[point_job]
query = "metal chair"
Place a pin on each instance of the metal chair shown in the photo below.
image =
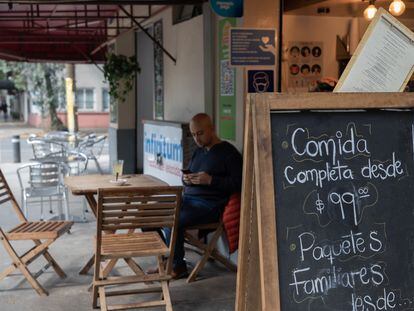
(92, 147)
(44, 180)
(43, 148)
(76, 162)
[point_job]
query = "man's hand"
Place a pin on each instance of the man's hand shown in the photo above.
(201, 178)
(186, 179)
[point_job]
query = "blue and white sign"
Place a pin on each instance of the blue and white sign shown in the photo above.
(261, 81)
(228, 8)
(163, 152)
(252, 47)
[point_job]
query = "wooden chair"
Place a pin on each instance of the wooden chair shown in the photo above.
(48, 231)
(130, 209)
(208, 250)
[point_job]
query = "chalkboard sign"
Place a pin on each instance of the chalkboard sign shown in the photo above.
(328, 203)
(344, 188)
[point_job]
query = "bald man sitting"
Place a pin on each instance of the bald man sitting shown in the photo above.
(215, 172)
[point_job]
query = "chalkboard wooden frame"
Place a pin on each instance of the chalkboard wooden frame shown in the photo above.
(258, 275)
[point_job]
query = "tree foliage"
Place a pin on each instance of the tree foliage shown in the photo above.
(44, 83)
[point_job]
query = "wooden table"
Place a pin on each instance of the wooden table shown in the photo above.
(88, 185)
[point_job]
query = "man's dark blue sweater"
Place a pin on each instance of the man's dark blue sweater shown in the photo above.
(223, 163)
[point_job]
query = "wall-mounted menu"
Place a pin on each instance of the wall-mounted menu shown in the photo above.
(344, 190)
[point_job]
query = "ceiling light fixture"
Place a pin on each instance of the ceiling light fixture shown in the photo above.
(370, 11)
(397, 7)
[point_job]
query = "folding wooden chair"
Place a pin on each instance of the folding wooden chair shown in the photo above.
(130, 209)
(48, 231)
(208, 250)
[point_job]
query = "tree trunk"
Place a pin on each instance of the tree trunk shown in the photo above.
(55, 122)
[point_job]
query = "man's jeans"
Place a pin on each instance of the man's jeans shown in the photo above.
(194, 211)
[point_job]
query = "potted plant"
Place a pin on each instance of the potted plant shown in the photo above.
(119, 71)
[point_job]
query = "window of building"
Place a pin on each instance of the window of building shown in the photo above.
(105, 100)
(85, 98)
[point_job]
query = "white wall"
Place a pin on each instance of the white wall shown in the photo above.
(316, 28)
(184, 92)
(184, 82)
(88, 76)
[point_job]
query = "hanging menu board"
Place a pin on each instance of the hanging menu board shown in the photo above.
(327, 218)
(384, 59)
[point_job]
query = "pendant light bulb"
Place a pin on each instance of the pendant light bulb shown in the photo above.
(370, 11)
(397, 7)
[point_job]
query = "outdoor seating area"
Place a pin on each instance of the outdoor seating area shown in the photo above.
(206, 155)
(115, 276)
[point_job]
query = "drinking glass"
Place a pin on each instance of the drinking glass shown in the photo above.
(117, 167)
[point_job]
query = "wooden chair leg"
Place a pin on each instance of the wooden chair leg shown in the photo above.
(35, 284)
(161, 270)
(18, 262)
(215, 254)
(134, 266)
(55, 265)
(207, 253)
(10, 269)
(98, 273)
(88, 266)
(109, 266)
(102, 299)
(95, 296)
(167, 296)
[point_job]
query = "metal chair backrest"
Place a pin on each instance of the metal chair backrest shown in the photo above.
(136, 208)
(45, 175)
(93, 145)
(43, 148)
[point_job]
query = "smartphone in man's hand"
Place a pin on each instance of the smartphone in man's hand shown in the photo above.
(186, 171)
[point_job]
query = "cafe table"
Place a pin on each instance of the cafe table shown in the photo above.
(88, 185)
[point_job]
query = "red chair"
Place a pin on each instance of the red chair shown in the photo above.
(229, 223)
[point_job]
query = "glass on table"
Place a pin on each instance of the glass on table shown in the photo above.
(117, 167)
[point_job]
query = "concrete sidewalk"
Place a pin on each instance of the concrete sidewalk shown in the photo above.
(214, 291)
(8, 129)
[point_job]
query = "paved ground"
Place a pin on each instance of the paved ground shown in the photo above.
(214, 291)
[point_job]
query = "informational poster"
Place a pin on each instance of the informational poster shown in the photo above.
(253, 47)
(227, 82)
(384, 59)
(261, 81)
(305, 65)
(158, 73)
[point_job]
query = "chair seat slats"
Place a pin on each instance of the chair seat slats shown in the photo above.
(39, 230)
(134, 226)
(143, 206)
(139, 213)
(137, 220)
(142, 198)
(132, 244)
